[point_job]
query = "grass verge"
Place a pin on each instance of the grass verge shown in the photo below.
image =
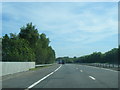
(40, 67)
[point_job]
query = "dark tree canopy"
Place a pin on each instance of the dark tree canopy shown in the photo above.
(28, 45)
(29, 33)
(111, 56)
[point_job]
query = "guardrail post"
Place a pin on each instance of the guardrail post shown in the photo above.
(113, 65)
(96, 64)
(118, 67)
(105, 65)
(109, 65)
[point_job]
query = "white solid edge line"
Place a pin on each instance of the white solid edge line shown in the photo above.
(92, 77)
(102, 68)
(43, 78)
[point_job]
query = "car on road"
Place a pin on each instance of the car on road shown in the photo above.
(61, 62)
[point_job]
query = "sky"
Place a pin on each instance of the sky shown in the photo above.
(74, 28)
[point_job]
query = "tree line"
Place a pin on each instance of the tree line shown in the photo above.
(27, 46)
(111, 56)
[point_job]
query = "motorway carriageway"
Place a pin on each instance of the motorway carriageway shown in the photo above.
(63, 76)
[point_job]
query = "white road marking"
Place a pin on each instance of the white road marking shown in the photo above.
(43, 78)
(92, 77)
(81, 71)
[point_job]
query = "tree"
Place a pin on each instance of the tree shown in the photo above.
(111, 56)
(50, 55)
(16, 50)
(119, 55)
(29, 33)
(45, 41)
(28, 45)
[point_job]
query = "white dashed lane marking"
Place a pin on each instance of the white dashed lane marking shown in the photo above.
(92, 77)
(81, 71)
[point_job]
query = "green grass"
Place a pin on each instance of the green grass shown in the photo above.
(39, 67)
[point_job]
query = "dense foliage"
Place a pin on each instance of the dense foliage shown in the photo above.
(96, 57)
(28, 45)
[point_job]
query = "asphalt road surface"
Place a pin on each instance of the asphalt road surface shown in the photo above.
(63, 76)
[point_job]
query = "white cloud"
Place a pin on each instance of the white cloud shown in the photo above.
(65, 22)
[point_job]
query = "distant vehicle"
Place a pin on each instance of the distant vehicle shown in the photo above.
(61, 62)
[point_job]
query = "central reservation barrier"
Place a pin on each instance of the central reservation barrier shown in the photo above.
(15, 67)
